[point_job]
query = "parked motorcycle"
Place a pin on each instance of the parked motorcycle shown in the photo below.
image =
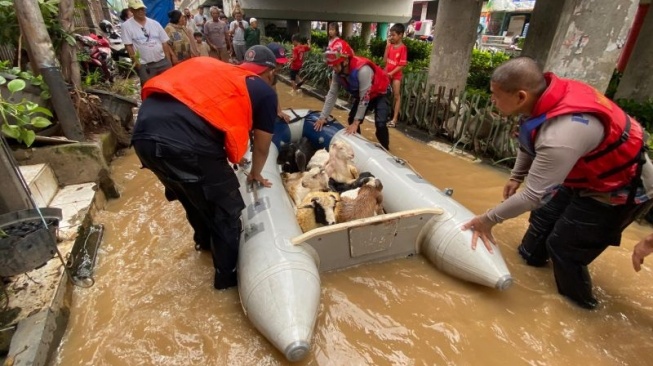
(119, 52)
(95, 54)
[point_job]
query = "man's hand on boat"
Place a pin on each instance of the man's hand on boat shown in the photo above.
(352, 128)
(285, 117)
(481, 228)
(319, 123)
(251, 178)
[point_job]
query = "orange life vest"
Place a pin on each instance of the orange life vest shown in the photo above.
(214, 90)
(614, 163)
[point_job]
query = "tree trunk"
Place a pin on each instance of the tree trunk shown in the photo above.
(36, 35)
(68, 55)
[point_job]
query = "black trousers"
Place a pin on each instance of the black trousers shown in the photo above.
(208, 190)
(573, 231)
(381, 113)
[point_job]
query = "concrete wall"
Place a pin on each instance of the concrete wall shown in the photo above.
(392, 11)
(637, 80)
(580, 39)
(455, 34)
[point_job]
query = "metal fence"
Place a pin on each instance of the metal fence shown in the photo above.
(467, 121)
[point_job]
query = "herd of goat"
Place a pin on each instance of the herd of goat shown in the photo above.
(325, 186)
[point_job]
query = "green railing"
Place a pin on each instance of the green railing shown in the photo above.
(467, 121)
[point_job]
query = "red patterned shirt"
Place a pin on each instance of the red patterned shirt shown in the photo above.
(397, 56)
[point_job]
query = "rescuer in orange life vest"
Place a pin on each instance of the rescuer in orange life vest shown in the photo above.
(190, 127)
(366, 82)
(588, 176)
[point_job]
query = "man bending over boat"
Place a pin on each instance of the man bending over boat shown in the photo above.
(588, 175)
(188, 130)
(366, 82)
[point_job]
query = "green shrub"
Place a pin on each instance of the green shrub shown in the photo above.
(641, 111)
(377, 47)
(418, 50)
(481, 67)
(357, 43)
(319, 39)
(315, 70)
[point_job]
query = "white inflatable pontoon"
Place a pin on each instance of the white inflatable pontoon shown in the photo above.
(279, 266)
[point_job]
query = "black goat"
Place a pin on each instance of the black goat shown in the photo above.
(363, 178)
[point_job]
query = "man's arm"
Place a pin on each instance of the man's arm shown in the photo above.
(170, 54)
(560, 143)
(331, 97)
(365, 75)
(260, 152)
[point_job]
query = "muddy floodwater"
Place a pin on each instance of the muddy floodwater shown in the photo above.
(153, 302)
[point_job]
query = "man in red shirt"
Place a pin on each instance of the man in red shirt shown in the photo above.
(395, 58)
(300, 48)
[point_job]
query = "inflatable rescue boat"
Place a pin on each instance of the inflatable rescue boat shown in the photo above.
(279, 266)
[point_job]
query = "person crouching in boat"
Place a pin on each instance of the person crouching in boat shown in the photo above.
(188, 130)
(366, 82)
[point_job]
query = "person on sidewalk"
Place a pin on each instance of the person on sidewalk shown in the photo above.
(395, 58)
(181, 39)
(237, 31)
(366, 82)
(146, 36)
(588, 173)
(216, 31)
(300, 49)
(252, 34)
(191, 129)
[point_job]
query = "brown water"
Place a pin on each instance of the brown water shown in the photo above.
(153, 302)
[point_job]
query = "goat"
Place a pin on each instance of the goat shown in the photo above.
(319, 159)
(368, 202)
(363, 178)
(298, 185)
(317, 210)
(293, 157)
(339, 166)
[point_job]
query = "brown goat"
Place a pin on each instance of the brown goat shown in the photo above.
(368, 203)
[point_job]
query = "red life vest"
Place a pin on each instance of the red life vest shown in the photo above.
(613, 164)
(380, 80)
(221, 98)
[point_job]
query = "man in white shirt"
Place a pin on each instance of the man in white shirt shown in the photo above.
(199, 19)
(146, 43)
(237, 31)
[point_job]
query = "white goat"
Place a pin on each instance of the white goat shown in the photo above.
(298, 185)
(318, 160)
(340, 167)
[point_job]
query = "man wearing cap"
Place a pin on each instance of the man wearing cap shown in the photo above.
(252, 34)
(146, 36)
(237, 31)
(366, 82)
(280, 54)
(188, 131)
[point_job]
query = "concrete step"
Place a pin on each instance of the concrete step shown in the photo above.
(41, 181)
(75, 201)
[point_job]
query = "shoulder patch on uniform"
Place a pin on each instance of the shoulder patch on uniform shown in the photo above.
(579, 117)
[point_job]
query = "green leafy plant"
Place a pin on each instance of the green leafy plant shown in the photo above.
(26, 114)
(481, 67)
(641, 111)
(36, 81)
(320, 39)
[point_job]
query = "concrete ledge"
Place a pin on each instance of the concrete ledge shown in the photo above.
(76, 163)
